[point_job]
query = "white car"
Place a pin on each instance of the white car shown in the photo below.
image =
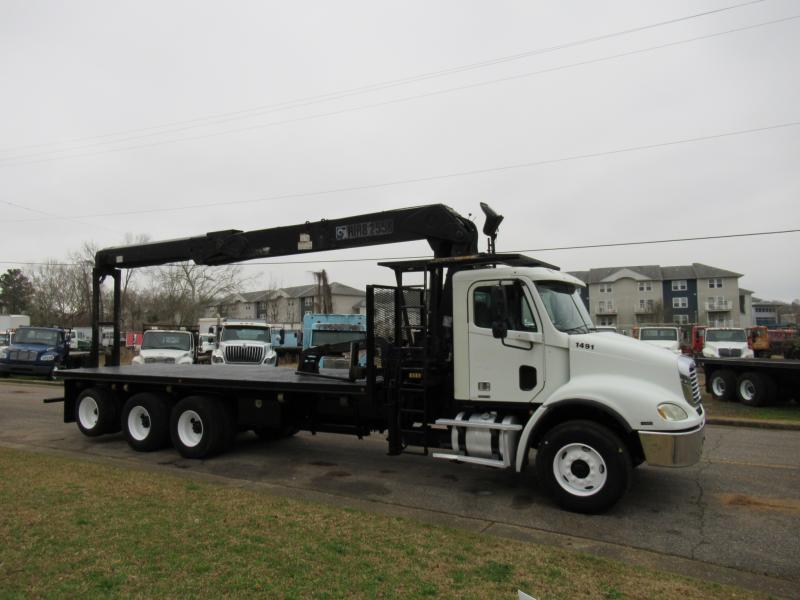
(726, 343)
(662, 337)
(166, 347)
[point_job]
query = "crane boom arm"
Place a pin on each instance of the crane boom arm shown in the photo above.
(447, 232)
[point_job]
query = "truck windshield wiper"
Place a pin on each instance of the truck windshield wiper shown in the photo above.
(575, 329)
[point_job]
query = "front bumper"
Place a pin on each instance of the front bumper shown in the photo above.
(673, 449)
(27, 368)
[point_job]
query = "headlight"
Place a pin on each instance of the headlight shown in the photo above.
(217, 359)
(672, 412)
(47, 357)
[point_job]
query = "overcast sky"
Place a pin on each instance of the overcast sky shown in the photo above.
(142, 107)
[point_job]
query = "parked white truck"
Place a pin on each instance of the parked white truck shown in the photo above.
(726, 342)
(166, 347)
(241, 342)
(667, 338)
(492, 362)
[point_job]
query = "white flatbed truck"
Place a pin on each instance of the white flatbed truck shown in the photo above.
(492, 356)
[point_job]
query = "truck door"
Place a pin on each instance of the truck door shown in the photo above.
(509, 369)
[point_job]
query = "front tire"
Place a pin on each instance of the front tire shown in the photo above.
(585, 466)
(97, 412)
(723, 384)
(145, 421)
(198, 427)
(755, 389)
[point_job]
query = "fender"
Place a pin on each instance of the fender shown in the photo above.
(614, 395)
(542, 411)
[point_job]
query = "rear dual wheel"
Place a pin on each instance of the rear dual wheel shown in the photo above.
(145, 421)
(755, 389)
(722, 384)
(97, 412)
(200, 427)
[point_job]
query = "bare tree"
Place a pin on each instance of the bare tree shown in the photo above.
(187, 290)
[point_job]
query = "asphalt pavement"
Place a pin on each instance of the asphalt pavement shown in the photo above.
(733, 518)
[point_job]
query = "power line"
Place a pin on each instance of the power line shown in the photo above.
(51, 216)
(552, 249)
(309, 100)
(523, 165)
(22, 161)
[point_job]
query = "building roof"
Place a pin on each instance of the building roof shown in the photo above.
(297, 291)
(652, 273)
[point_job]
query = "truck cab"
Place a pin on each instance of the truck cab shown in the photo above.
(5, 340)
(522, 337)
(661, 337)
(244, 343)
(726, 342)
(166, 347)
(35, 351)
(336, 329)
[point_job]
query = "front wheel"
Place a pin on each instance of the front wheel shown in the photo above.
(584, 466)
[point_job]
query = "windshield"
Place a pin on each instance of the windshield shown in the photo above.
(659, 335)
(725, 335)
(248, 334)
(321, 337)
(564, 306)
(36, 336)
(166, 340)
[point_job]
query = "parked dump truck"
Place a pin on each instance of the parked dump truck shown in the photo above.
(481, 359)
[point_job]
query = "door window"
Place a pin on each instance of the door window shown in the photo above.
(518, 316)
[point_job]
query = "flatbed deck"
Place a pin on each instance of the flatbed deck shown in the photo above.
(754, 363)
(221, 377)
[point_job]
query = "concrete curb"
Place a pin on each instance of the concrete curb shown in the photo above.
(758, 423)
(30, 382)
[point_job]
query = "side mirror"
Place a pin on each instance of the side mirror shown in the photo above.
(499, 329)
(500, 309)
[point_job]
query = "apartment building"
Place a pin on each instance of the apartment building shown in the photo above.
(286, 306)
(628, 296)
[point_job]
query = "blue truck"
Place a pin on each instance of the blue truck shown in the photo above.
(38, 351)
(332, 329)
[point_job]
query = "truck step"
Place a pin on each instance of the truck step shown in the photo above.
(486, 462)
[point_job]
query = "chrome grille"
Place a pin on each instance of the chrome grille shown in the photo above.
(28, 355)
(244, 354)
(162, 360)
(695, 385)
(730, 352)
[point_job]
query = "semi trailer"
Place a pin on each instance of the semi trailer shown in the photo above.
(487, 359)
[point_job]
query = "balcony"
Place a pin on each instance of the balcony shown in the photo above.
(647, 309)
(606, 310)
(719, 305)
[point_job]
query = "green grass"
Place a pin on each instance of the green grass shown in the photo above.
(78, 529)
(789, 411)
